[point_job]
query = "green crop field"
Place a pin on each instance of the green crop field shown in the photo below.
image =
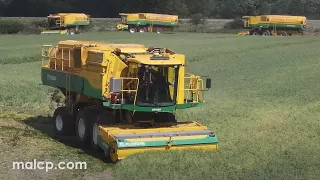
(264, 106)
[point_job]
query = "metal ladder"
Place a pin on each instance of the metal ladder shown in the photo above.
(68, 93)
(59, 21)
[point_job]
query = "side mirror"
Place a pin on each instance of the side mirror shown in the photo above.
(208, 83)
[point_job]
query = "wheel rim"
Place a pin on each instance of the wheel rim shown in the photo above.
(142, 30)
(95, 133)
(81, 128)
(132, 30)
(59, 123)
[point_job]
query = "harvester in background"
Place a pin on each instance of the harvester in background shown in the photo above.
(267, 25)
(121, 98)
(147, 22)
(66, 23)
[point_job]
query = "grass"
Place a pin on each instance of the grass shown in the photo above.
(264, 105)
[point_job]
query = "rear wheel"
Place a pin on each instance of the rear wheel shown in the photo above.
(142, 30)
(159, 30)
(62, 122)
(266, 33)
(283, 33)
(255, 33)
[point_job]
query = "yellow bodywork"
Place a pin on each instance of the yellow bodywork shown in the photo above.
(93, 65)
(97, 58)
(275, 19)
(109, 136)
(151, 17)
(65, 19)
(243, 33)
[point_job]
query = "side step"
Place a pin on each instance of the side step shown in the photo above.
(122, 141)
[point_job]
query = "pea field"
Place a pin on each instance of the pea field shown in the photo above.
(264, 106)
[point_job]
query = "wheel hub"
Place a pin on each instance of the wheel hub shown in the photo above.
(132, 30)
(59, 123)
(95, 133)
(81, 128)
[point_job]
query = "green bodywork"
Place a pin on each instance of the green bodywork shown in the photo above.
(86, 23)
(272, 25)
(154, 23)
(78, 84)
(131, 107)
(82, 86)
(124, 143)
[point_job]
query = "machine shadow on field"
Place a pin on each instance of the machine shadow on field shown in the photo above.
(44, 125)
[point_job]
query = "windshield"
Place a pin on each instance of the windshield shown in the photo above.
(124, 19)
(157, 85)
(52, 22)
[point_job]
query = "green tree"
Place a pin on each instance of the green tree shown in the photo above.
(264, 8)
(176, 7)
(197, 19)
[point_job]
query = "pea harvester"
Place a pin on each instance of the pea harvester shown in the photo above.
(121, 98)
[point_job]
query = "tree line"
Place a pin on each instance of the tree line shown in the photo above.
(222, 9)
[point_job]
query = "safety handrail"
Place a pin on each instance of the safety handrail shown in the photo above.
(124, 90)
(48, 48)
(45, 54)
(196, 85)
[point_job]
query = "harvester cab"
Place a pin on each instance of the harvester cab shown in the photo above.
(66, 23)
(126, 96)
(123, 25)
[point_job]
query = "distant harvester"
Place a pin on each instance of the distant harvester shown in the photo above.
(147, 22)
(267, 25)
(66, 23)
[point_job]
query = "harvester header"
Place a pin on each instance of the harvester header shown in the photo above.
(122, 97)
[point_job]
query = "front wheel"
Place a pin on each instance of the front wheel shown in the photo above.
(103, 119)
(132, 30)
(62, 122)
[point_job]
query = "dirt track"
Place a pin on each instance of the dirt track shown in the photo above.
(20, 142)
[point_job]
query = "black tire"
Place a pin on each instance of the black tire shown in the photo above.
(283, 33)
(132, 30)
(83, 125)
(142, 30)
(159, 30)
(266, 33)
(165, 118)
(255, 33)
(104, 118)
(62, 122)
